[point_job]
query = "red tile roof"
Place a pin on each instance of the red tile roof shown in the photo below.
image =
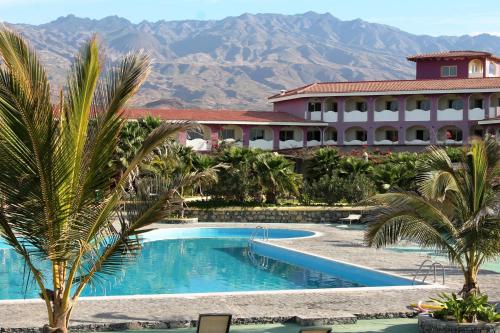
(394, 85)
(452, 54)
(208, 115)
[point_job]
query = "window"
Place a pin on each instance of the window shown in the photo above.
(360, 135)
(420, 134)
(257, 134)
(361, 106)
(456, 104)
(227, 133)
(286, 135)
(492, 68)
(391, 105)
(391, 135)
(314, 106)
(476, 67)
(453, 134)
(478, 103)
(334, 107)
(314, 135)
(478, 132)
(448, 71)
(423, 104)
(331, 136)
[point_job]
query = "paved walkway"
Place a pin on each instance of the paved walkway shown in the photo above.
(337, 243)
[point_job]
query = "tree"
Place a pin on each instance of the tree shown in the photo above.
(456, 210)
(275, 176)
(55, 160)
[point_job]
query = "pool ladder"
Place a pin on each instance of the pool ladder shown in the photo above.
(264, 261)
(431, 266)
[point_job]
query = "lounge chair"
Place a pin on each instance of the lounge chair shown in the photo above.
(351, 217)
(316, 330)
(214, 323)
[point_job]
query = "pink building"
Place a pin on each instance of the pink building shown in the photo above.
(455, 95)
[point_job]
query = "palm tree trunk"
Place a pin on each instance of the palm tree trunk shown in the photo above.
(471, 286)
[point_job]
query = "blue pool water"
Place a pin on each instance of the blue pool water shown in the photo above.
(200, 260)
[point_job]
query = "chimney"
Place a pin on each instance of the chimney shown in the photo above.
(282, 91)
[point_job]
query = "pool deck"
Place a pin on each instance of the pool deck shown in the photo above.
(344, 244)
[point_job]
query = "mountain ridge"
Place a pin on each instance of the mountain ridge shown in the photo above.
(238, 61)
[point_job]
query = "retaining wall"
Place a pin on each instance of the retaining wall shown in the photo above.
(278, 214)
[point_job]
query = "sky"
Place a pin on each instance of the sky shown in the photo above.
(431, 17)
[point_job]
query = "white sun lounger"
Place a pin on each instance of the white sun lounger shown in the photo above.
(351, 217)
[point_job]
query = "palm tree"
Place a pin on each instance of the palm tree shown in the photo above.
(456, 210)
(55, 160)
(275, 176)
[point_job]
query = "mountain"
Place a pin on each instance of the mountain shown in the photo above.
(237, 62)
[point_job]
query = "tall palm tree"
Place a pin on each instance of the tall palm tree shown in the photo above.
(456, 210)
(55, 160)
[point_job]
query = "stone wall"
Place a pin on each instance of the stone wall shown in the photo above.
(278, 215)
(427, 324)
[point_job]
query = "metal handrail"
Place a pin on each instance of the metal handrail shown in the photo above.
(433, 265)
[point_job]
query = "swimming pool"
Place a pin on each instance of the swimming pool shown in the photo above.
(202, 260)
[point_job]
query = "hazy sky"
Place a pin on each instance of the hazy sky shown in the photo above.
(433, 17)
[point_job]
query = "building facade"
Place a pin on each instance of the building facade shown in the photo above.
(454, 96)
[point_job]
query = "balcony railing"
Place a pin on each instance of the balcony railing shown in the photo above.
(261, 144)
(313, 143)
(316, 115)
(355, 116)
(450, 114)
(385, 142)
(476, 114)
(417, 142)
(417, 115)
(355, 142)
(386, 115)
(330, 116)
(289, 144)
(330, 142)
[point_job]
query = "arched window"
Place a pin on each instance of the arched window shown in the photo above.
(475, 68)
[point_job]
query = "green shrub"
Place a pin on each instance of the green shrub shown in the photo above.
(454, 153)
(334, 189)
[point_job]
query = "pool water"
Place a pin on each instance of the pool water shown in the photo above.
(202, 260)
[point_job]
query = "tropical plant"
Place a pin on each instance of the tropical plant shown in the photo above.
(398, 170)
(132, 136)
(468, 309)
(456, 210)
(275, 176)
(55, 159)
(236, 181)
(353, 166)
(325, 161)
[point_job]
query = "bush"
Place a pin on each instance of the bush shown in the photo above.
(334, 189)
(454, 153)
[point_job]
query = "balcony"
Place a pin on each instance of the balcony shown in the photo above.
(450, 114)
(476, 114)
(261, 144)
(330, 116)
(355, 142)
(417, 115)
(355, 116)
(386, 115)
(330, 142)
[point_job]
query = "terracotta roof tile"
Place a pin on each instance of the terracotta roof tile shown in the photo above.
(202, 115)
(394, 85)
(451, 54)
